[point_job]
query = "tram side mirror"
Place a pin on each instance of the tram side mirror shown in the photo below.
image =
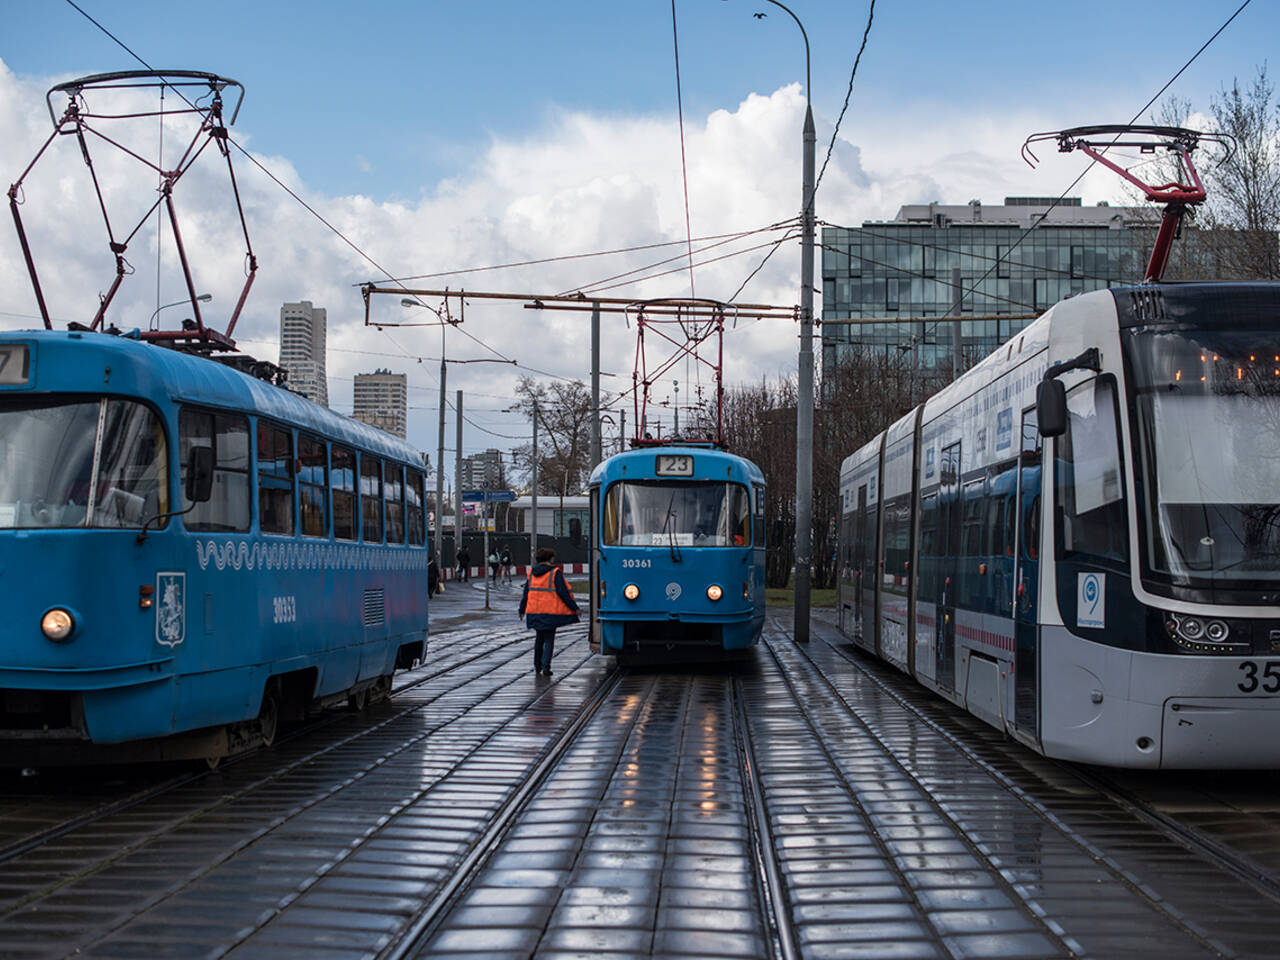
(1051, 408)
(575, 531)
(200, 474)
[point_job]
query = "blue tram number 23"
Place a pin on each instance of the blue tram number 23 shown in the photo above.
(1270, 682)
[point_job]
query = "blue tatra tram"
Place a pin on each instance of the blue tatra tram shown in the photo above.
(190, 554)
(678, 551)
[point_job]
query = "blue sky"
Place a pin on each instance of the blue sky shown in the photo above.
(440, 136)
(412, 90)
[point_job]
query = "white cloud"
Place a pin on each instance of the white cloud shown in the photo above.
(581, 183)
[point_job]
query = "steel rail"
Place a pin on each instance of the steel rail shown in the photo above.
(773, 890)
(1099, 856)
(1193, 839)
(412, 939)
(32, 841)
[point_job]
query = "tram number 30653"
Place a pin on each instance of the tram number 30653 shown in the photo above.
(1270, 677)
(286, 611)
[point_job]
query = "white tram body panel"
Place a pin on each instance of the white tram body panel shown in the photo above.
(1067, 589)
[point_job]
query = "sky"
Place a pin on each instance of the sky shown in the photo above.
(439, 137)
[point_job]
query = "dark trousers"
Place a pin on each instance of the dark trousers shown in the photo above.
(544, 642)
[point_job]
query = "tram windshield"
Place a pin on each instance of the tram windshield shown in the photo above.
(1208, 431)
(662, 514)
(52, 452)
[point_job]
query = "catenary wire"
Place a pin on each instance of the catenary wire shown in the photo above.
(719, 242)
(848, 93)
(684, 168)
(341, 236)
(586, 256)
(1091, 163)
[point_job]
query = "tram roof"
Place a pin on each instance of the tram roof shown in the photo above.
(147, 370)
(640, 463)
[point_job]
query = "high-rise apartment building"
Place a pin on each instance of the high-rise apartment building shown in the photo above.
(302, 349)
(382, 400)
(483, 470)
(1012, 261)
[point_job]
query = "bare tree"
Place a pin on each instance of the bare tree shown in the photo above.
(760, 424)
(861, 395)
(1235, 231)
(564, 434)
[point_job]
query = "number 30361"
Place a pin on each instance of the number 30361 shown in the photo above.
(1263, 677)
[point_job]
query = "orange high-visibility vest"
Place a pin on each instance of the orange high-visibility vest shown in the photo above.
(543, 597)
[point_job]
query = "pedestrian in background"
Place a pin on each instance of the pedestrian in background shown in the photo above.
(506, 563)
(546, 604)
(433, 577)
(464, 564)
(493, 565)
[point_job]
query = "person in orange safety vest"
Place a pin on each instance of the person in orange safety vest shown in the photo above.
(547, 603)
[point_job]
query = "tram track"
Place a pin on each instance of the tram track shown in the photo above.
(876, 821)
(407, 681)
(1109, 784)
(411, 940)
(1193, 839)
(775, 904)
(220, 800)
(1142, 886)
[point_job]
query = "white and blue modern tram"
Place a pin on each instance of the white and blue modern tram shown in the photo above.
(1097, 574)
(189, 554)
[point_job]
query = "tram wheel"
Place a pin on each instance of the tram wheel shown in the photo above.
(381, 689)
(358, 700)
(269, 716)
(213, 762)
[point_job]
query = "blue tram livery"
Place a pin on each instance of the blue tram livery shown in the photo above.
(190, 554)
(1078, 541)
(677, 557)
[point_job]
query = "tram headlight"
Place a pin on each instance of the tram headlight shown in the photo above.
(58, 624)
(1192, 628)
(631, 591)
(714, 592)
(1216, 631)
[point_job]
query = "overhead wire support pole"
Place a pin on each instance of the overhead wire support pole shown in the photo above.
(595, 386)
(804, 372)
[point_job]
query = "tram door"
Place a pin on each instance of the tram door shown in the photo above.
(1026, 578)
(949, 514)
(593, 571)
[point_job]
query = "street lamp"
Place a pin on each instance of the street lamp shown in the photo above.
(804, 377)
(203, 298)
(439, 544)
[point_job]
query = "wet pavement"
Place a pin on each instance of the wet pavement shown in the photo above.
(622, 815)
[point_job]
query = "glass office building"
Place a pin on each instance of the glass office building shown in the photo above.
(901, 273)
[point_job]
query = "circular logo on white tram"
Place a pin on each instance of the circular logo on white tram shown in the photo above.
(673, 591)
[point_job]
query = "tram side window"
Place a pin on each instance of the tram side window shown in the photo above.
(928, 582)
(227, 510)
(757, 534)
(1088, 481)
(737, 517)
(897, 543)
(371, 498)
(414, 513)
(610, 533)
(342, 478)
(313, 484)
(393, 492)
(974, 503)
(133, 483)
(275, 479)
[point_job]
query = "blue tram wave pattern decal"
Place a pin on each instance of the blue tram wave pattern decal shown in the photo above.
(239, 555)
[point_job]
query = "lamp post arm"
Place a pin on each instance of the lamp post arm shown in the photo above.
(804, 34)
